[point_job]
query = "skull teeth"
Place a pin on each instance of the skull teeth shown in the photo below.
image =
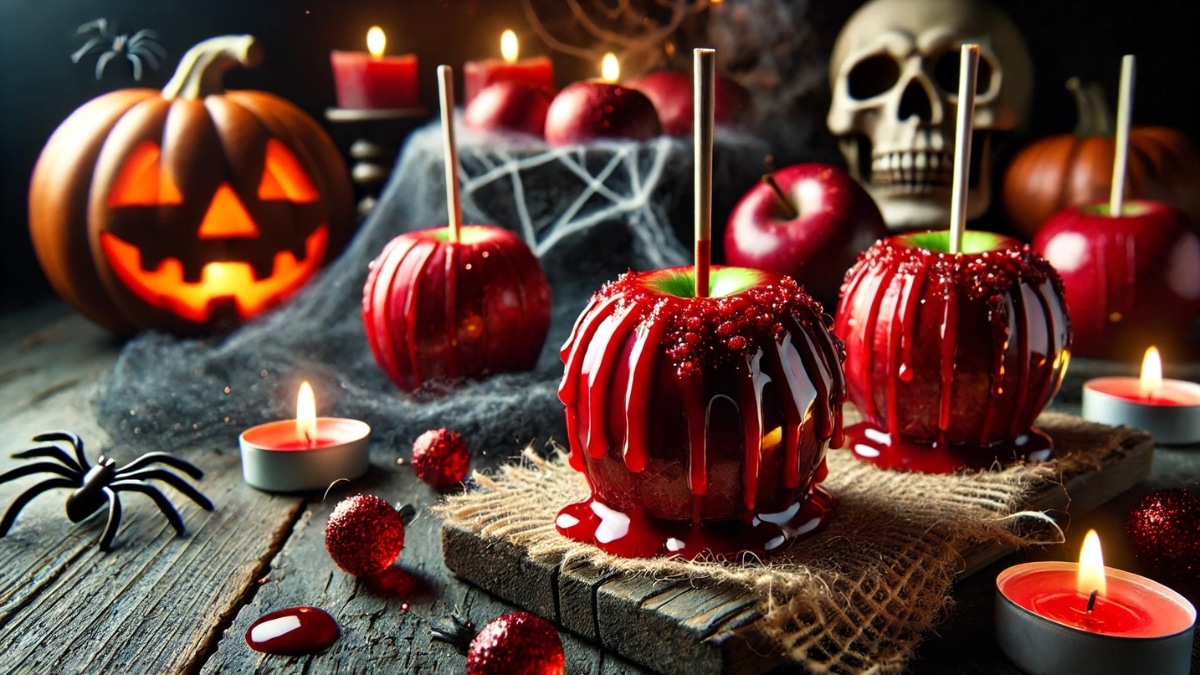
(919, 171)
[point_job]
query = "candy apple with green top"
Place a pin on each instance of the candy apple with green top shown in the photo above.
(955, 340)
(951, 356)
(700, 402)
(808, 221)
(460, 301)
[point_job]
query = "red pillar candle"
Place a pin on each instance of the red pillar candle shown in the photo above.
(374, 81)
(538, 71)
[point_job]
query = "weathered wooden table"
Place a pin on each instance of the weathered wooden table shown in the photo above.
(159, 603)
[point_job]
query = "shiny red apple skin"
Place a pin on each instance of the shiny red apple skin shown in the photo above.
(591, 109)
(954, 350)
(436, 310)
(671, 92)
(1131, 282)
(837, 219)
(645, 369)
(509, 105)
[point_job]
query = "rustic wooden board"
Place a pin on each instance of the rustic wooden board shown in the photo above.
(677, 627)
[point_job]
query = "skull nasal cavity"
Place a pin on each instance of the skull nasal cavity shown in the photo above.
(915, 101)
(226, 217)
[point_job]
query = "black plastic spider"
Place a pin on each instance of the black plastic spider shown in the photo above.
(97, 484)
(141, 46)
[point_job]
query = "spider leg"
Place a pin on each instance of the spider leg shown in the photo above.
(149, 56)
(137, 65)
(114, 520)
(143, 34)
(100, 25)
(70, 437)
(102, 62)
(51, 451)
(172, 480)
(39, 467)
(27, 496)
(164, 504)
(85, 49)
(161, 457)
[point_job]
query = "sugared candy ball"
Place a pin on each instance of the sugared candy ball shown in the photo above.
(1164, 532)
(519, 643)
(440, 458)
(364, 535)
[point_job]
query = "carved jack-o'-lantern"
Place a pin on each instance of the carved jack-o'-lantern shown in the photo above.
(191, 208)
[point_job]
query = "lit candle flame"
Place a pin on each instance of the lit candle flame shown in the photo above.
(610, 69)
(509, 48)
(306, 413)
(1091, 567)
(1151, 383)
(376, 42)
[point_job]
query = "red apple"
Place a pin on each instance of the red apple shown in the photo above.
(437, 309)
(509, 105)
(951, 357)
(592, 109)
(685, 411)
(811, 228)
(1131, 281)
(672, 96)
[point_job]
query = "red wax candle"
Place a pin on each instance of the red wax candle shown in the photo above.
(538, 71)
(1168, 409)
(373, 81)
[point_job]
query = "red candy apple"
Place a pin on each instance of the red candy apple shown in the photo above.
(671, 94)
(1131, 281)
(509, 105)
(808, 221)
(433, 308)
(685, 411)
(951, 357)
(593, 109)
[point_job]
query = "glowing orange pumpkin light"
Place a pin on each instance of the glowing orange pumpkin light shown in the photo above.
(191, 208)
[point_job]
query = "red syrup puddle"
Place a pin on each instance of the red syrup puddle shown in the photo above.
(633, 534)
(873, 445)
(295, 631)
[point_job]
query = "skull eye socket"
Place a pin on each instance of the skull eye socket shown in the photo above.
(872, 76)
(945, 73)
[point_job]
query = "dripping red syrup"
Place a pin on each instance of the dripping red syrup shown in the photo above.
(874, 445)
(633, 534)
(295, 631)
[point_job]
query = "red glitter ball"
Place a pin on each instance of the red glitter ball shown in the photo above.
(364, 535)
(440, 458)
(1164, 531)
(519, 643)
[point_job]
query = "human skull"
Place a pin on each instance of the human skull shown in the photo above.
(894, 74)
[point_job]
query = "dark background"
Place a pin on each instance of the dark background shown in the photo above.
(39, 86)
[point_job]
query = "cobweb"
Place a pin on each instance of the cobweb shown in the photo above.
(590, 213)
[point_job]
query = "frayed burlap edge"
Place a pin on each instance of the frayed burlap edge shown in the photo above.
(859, 595)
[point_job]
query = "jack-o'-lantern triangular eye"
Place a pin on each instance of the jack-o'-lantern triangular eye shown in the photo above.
(284, 177)
(142, 182)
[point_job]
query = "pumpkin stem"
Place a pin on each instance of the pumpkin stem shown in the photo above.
(1094, 118)
(203, 67)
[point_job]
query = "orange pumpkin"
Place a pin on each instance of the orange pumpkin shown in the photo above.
(1076, 169)
(189, 209)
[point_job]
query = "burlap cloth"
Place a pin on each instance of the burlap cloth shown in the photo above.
(859, 595)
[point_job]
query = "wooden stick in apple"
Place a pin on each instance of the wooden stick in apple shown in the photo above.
(446, 97)
(968, 70)
(1116, 195)
(704, 66)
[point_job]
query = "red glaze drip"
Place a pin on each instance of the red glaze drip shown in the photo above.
(650, 374)
(897, 453)
(633, 534)
(905, 311)
(294, 631)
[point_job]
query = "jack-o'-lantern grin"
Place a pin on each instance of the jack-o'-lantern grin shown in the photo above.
(233, 260)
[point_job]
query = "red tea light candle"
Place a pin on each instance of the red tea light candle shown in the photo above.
(1065, 618)
(307, 453)
(537, 71)
(370, 80)
(1168, 409)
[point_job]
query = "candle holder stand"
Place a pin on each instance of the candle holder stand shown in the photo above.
(377, 136)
